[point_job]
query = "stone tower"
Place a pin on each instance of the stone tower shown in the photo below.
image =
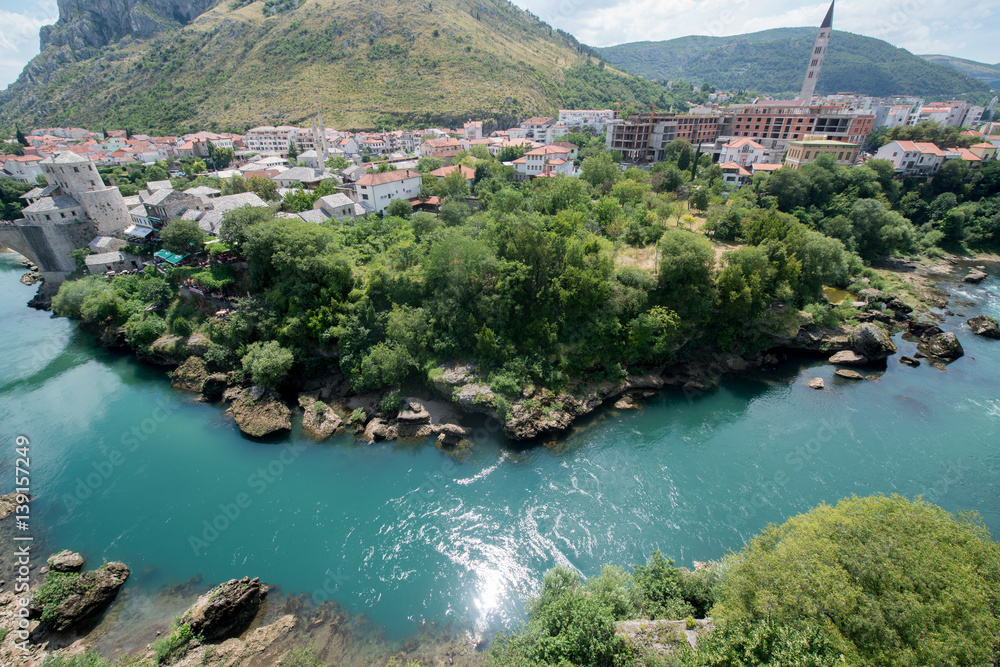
(322, 151)
(77, 176)
(816, 59)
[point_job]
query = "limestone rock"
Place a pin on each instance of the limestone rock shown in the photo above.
(215, 385)
(263, 416)
(817, 383)
(848, 358)
(986, 326)
(226, 610)
(189, 376)
(451, 435)
(198, 344)
(413, 421)
(319, 421)
(943, 346)
(65, 561)
(166, 350)
(8, 504)
(872, 342)
(898, 305)
(379, 429)
(849, 374)
(975, 276)
(627, 402)
(91, 593)
(921, 329)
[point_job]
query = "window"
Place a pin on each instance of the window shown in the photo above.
(819, 50)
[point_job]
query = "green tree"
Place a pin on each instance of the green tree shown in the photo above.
(426, 164)
(293, 153)
(182, 236)
(400, 208)
(262, 186)
(267, 363)
(599, 169)
(337, 162)
(888, 580)
(686, 265)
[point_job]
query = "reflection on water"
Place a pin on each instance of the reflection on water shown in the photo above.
(382, 542)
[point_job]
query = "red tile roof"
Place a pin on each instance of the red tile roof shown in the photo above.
(387, 177)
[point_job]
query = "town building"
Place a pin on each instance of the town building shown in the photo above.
(545, 161)
(376, 191)
(807, 151)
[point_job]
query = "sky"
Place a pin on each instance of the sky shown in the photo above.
(964, 28)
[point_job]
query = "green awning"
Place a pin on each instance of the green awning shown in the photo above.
(168, 256)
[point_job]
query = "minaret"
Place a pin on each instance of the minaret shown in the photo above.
(321, 147)
(816, 59)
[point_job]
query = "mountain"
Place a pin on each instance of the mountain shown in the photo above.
(982, 71)
(774, 61)
(164, 66)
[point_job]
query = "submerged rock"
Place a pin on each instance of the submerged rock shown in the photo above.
(89, 594)
(627, 402)
(986, 326)
(65, 561)
(943, 346)
(226, 610)
(848, 374)
(909, 362)
(260, 413)
(849, 358)
(872, 342)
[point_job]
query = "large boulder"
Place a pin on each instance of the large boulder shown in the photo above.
(261, 413)
(984, 325)
(872, 342)
(976, 276)
(319, 421)
(414, 421)
(189, 376)
(379, 429)
(943, 346)
(920, 329)
(215, 385)
(65, 561)
(451, 435)
(849, 358)
(86, 595)
(226, 610)
(166, 350)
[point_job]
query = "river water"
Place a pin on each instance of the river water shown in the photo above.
(125, 468)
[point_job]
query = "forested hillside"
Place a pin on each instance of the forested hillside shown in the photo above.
(774, 61)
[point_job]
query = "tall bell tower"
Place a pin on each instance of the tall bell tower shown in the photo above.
(816, 58)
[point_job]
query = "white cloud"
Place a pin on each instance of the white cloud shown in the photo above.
(19, 41)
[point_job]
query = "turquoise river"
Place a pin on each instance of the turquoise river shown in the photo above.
(125, 468)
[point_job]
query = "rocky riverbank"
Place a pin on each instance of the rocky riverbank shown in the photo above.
(327, 405)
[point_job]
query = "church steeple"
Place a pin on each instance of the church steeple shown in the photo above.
(816, 57)
(828, 21)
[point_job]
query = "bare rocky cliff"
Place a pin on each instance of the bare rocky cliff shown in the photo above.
(86, 25)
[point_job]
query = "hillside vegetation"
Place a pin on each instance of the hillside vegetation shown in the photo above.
(362, 64)
(987, 73)
(774, 61)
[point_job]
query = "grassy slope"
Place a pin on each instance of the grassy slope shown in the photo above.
(775, 61)
(356, 61)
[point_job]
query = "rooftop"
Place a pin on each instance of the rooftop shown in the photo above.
(387, 177)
